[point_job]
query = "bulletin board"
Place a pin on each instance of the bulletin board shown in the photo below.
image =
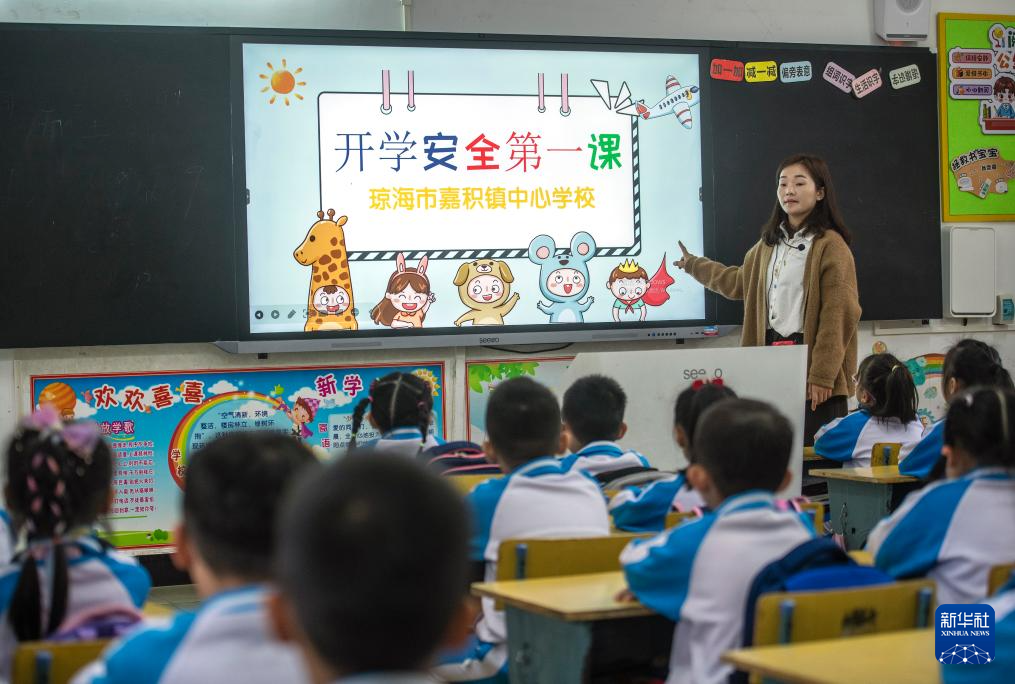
(976, 63)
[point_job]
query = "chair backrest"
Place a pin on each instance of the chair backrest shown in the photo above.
(532, 558)
(817, 512)
(466, 483)
(885, 454)
(998, 577)
(788, 617)
(60, 660)
(674, 518)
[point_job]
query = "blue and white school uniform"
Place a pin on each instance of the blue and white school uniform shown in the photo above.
(541, 499)
(386, 678)
(699, 574)
(925, 454)
(596, 458)
(1002, 668)
(8, 539)
(405, 441)
(850, 439)
(952, 532)
(644, 509)
(98, 579)
(228, 639)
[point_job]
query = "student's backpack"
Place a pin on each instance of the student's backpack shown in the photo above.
(458, 458)
(814, 565)
(610, 477)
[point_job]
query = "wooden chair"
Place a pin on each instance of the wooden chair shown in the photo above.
(532, 558)
(783, 618)
(466, 483)
(885, 454)
(998, 577)
(53, 662)
(674, 518)
(817, 511)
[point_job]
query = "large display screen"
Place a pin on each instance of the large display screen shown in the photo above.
(411, 191)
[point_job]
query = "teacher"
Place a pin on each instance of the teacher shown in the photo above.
(798, 284)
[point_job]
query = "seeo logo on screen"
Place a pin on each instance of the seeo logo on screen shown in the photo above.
(964, 634)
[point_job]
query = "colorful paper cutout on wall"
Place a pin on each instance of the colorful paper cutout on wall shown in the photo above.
(795, 72)
(838, 77)
(903, 77)
(983, 171)
(866, 83)
(726, 70)
(761, 72)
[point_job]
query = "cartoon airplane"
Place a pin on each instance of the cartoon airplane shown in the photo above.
(678, 101)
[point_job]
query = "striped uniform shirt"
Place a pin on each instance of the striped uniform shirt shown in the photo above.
(406, 441)
(699, 574)
(228, 639)
(644, 509)
(596, 458)
(98, 578)
(1002, 668)
(923, 456)
(951, 531)
(850, 439)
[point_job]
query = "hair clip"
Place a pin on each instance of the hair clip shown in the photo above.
(698, 384)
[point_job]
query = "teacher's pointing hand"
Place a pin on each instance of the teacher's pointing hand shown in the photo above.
(681, 263)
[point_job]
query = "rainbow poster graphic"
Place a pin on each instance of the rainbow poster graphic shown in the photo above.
(156, 421)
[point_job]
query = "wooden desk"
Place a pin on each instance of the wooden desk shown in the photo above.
(553, 622)
(898, 657)
(860, 497)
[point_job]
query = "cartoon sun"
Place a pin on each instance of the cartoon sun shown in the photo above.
(425, 374)
(282, 82)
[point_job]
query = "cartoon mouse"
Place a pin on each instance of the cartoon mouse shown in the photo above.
(484, 286)
(563, 279)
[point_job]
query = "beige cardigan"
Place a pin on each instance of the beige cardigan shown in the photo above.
(831, 305)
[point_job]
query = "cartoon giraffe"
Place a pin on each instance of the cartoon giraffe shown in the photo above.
(330, 301)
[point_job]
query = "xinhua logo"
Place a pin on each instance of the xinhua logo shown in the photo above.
(964, 634)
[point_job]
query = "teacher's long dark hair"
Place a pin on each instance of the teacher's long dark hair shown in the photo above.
(824, 216)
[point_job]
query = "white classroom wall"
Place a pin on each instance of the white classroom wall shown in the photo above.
(781, 21)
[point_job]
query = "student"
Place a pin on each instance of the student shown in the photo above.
(968, 364)
(539, 497)
(400, 407)
(644, 509)
(699, 573)
(59, 481)
(888, 400)
(1002, 667)
(234, 487)
(954, 530)
(593, 414)
(363, 611)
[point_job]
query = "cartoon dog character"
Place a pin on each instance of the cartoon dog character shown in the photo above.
(563, 279)
(484, 286)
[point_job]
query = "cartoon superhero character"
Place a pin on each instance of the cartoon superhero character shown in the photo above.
(331, 300)
(628, 283)
(484, 286)
(407, 297)
(563, 279)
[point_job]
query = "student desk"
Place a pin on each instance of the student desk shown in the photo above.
(553, 622)
(898, 657)
(860, 497)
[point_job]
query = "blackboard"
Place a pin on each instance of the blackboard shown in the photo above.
(882, 152)
(115, 186)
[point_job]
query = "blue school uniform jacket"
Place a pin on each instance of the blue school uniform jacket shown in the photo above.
(98, 578)
(850, 439)
(1002, 668)
(700, 572)
(228, 639)
(596, 458)
(951, 531)
(925, 454)
(405, 441)
(644, 509)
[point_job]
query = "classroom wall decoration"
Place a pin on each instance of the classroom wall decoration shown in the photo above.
(154, 421)
(976, 60)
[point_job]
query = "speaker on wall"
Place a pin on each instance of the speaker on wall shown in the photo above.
(907, 20)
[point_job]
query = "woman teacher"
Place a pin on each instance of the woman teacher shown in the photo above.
(798, 283)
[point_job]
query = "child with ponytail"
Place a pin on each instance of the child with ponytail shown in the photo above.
(400, 406)
(59, 481)
(968, 364)
(888, 401)
(954, 530)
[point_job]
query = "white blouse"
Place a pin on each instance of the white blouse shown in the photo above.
(785, 282)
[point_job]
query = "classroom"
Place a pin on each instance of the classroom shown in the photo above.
(704, 434)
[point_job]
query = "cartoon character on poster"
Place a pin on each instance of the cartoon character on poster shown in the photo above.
(634, 291)
(407, 297)
(484, 286)
(563, 279)
(1004, 98)
(324, 250)
(301, 414)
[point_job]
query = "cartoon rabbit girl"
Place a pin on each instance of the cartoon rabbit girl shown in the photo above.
(407, 298)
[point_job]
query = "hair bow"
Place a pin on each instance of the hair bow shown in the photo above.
(698, 384)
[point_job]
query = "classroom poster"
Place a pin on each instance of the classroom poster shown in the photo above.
(154, 421)
(976, 61)
(482, 376)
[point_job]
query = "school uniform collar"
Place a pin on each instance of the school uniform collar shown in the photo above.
(989, 473)
(600, 448)
(744, 501)
(248, 593)
(544, 465)
(403, 434)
